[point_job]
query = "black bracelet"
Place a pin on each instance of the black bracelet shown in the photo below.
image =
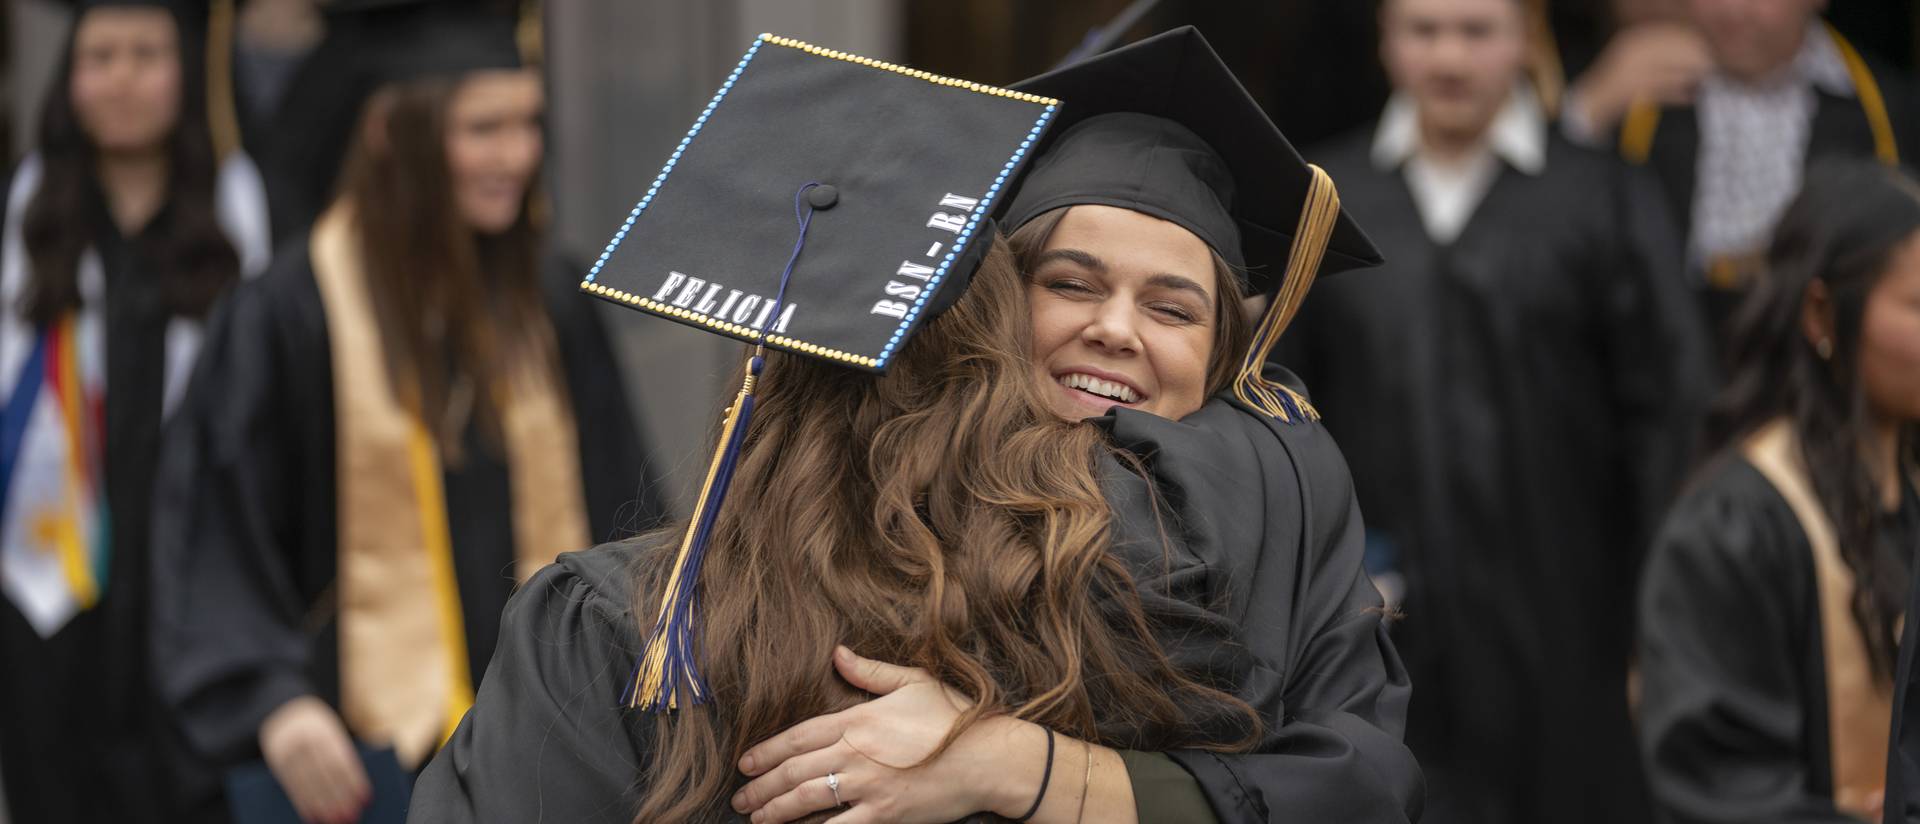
(1045, 778)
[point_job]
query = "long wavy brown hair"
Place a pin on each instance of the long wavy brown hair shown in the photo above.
(936, 517)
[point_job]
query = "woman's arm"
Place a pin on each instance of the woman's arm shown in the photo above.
(877, 754)
(1725, 616)
(233, 521)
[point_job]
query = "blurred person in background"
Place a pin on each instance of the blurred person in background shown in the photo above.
(409, 413)
(122, 228)
(1729, 114)
(1770, 609)
(1512, 389)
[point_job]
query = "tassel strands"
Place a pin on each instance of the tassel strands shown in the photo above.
(1317, 219)
(667, 670)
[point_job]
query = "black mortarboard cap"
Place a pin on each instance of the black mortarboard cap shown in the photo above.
(823, 204)
(901, 168)
(1163, 127)
(441, 39)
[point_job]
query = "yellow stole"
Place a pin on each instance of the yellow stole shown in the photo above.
(403, 651)
(1859, 703)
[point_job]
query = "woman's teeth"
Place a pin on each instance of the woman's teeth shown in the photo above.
(1106, 389)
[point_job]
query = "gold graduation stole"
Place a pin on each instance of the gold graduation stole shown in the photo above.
(403, 650)
(1859, 703)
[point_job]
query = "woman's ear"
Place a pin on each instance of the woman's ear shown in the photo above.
(373, 122)
(1816, 318)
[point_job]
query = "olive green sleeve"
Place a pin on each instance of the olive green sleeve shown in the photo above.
(1163, 791)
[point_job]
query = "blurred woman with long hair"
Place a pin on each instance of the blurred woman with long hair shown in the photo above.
(1770, 609)
(122, 229)
(409, 414)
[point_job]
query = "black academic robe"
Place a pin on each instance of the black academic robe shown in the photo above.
(80, 738)
(1512, 404)
(246, 533)
(1840, 129)
(1260, 591)
(1903, 751)
(1733, 698)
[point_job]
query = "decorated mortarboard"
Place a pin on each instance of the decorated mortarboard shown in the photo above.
(1163, 127)
(823, 204)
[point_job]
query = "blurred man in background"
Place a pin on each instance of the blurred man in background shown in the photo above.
(1511, 391)
(1729, 112)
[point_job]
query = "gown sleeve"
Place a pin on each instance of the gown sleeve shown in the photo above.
(546, 739)
(231, 522)
(1727, 614)
(1264, 595)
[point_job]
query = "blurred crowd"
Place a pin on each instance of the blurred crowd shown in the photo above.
(282, 306)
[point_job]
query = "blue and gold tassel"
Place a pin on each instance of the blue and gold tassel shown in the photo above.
(668, 663)
(1317, 219)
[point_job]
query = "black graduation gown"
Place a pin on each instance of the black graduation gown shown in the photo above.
(1903, 751)
(1733, 700)
(1511, 404)
(1262, 591)
(1840, 129)
(79, 740)
(245, 524)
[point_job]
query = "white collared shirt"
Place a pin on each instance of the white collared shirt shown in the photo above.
(1753, 146)
(1448, 193)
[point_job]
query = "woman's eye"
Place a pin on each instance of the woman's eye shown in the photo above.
(1069, 287)
(1175, 312)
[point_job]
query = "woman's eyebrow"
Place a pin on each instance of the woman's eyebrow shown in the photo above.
(1084, 259)
(1167, 280)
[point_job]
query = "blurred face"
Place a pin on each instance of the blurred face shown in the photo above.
(1123, 314)
(126, 77)
(1458, 59)
(1753, 38)
(1890, 338)
(494, 146)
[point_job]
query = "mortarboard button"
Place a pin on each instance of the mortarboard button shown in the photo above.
(823, 197)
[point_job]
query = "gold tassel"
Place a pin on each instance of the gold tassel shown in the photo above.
(1317, 219)
(223, 121)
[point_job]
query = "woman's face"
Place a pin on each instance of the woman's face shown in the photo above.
(494, 144)
(125, 83)
(1123, 314)
(1890, 338)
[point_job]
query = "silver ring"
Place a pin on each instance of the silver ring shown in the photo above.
(833, 785)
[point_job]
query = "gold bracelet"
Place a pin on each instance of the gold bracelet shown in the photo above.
(1086, 785)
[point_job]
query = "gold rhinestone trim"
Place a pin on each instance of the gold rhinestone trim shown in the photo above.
(737, 330)
(930, 77)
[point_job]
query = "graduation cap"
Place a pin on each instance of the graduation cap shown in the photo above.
(823, 204)
(1162, 127)
(413, 40)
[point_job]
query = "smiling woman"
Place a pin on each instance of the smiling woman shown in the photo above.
(1128, 310)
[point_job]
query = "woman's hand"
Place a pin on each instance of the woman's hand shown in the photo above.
(312, 757)
(873, 750)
